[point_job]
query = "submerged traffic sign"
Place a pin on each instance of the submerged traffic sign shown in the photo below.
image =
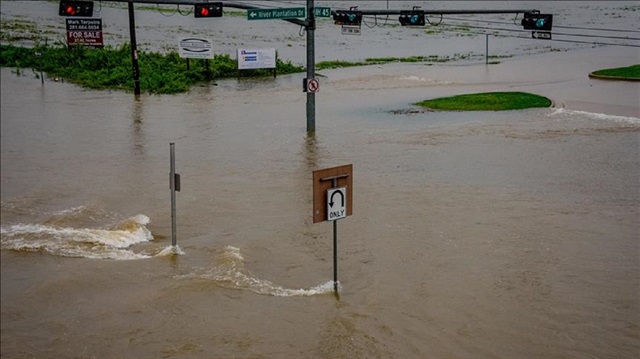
(274, 14)
(326, 180)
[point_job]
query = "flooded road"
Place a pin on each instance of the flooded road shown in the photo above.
(474, 235)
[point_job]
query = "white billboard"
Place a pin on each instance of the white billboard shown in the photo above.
(256, 59)
(195, 48)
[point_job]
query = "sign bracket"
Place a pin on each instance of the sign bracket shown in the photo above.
(334, 179)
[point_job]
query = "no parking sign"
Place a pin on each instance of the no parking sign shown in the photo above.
(311, 85)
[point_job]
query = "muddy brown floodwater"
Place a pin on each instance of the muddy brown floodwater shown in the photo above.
(474, 235)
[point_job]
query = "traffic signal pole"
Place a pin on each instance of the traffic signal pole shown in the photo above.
(310, 26)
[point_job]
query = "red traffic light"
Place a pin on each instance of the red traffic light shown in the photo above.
(76, 8)
(210, 9)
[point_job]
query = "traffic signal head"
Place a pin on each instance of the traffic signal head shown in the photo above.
(412, 18)
(76, 8)
(210, 9)
(536, 21)
(347, 17)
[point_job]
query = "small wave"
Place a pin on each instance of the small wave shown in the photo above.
(414, 78)
(79, 242)
(596, 116)
(231, 273)
(422, 79)
(170, 250)
(78, 217)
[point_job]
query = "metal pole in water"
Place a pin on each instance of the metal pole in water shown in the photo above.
(335, 248)
(172, 184)
(486, 51)
(335, 257)
(311, 96)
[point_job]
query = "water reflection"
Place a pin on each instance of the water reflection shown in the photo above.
(311, 152)
(138, 139)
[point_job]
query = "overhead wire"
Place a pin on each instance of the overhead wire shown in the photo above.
(186, 13)
(526, 31)
(273, 3)
(432, 24)
(167, 15)
(555, 26)
(554, 33)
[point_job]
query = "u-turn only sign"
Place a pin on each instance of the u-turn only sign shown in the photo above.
(336, 203)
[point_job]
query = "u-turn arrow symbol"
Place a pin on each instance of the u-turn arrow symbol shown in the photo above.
(339, 191)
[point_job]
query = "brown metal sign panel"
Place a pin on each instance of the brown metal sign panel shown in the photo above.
(322, 181)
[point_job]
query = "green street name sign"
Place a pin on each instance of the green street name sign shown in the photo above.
(272, 14)
(322, 11)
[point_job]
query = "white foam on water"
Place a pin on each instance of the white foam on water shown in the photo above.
(422, 79)
(79, 242)
(595, 116)
(73, 210)
(231, 273)
(170, 251)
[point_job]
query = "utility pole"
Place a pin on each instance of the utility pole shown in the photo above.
(134, 50)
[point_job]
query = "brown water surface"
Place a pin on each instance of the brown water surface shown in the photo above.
(474, 235)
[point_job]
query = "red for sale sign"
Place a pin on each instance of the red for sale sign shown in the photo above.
(87, 32)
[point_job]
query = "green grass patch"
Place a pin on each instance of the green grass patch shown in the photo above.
(629, 72)
(324, 65)
(24, 30)
(110, 68)
(489, 101)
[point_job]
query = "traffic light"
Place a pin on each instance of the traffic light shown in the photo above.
(536, 21)
(412, 18)
(347, 17)
(210, 9)
(76, 8)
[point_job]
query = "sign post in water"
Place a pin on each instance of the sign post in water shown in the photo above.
(333, 200)
(174, 185)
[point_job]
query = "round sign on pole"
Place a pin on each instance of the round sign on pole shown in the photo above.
(313, 85)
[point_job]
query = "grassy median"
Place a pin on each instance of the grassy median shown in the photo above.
(489, 101)
(631, 73)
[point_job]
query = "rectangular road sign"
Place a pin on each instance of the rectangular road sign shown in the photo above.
(544, 35)
(274, 14)
(351, 30)
(323, 181)
(336, 204)
(322, 11)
